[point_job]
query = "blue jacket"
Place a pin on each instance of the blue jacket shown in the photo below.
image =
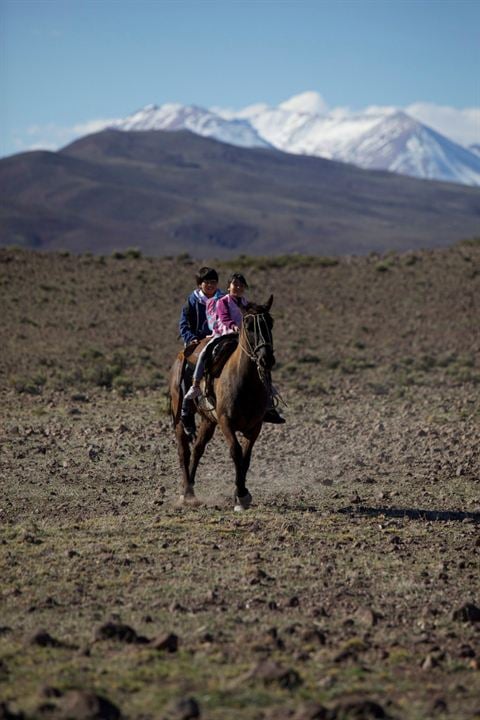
(193, 319)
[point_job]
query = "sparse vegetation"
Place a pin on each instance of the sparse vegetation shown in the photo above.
(350, 584)
(253, 262)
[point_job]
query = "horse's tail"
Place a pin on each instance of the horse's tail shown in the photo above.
(175, 389)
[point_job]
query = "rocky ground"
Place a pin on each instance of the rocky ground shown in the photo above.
(349, 590)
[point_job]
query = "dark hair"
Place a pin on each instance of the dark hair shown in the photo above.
(206, 273)
(238, 277)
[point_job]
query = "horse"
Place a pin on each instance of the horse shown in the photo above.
(242, 392)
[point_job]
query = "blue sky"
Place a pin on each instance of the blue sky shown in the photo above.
(67, 63)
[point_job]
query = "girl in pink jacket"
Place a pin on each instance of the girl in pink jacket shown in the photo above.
(224, 316)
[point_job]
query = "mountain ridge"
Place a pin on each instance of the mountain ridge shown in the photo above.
(171, 192)
(303, 125)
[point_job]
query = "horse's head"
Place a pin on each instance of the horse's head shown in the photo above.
(256, 337)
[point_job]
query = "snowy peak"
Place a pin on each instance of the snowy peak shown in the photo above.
(173, 116)
(403, 145)
(379, 138)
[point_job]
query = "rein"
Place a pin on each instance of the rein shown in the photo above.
(262, 337)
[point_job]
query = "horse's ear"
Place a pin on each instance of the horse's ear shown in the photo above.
(269, 302)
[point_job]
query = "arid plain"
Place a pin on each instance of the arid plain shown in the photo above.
(351, 589)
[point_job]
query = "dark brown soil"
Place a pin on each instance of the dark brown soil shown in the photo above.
(349, 590)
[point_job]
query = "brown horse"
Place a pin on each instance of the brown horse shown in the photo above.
(242, 393)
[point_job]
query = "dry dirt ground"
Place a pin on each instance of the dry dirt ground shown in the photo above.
(351, 589)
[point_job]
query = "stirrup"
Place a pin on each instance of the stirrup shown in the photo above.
(193, 393)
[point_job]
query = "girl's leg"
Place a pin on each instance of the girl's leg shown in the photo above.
(194, 391)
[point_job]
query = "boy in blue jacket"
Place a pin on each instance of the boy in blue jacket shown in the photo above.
(193, 328)
(193, 319)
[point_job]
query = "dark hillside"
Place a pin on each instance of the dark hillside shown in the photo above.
(171, 192)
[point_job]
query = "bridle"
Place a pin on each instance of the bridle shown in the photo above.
(262, 337)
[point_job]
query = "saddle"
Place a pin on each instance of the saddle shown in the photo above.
(218, 353)
(191, 352)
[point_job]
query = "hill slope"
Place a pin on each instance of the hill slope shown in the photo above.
(172, 192)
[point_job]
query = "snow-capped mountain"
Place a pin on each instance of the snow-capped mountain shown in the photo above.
(173, 116)
(378, 138)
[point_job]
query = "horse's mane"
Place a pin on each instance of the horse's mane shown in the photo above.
(255, 309)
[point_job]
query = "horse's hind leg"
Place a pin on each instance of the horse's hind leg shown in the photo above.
(205, 434)
(183, 447)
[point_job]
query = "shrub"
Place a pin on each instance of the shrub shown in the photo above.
(30, 386)
(184, 257)
(123, 385)
(309, 358)
(471, 242)
(103, 374)
(383, 266)
(133, 253)
(91, 353)
(411, 259)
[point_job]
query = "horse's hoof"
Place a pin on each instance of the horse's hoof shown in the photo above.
(242, 503)
(189, 501)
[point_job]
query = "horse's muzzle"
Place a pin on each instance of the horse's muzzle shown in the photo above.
(266, 358)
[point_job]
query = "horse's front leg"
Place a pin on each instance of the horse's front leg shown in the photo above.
(189, 459)
(249, 439)
(243, 498)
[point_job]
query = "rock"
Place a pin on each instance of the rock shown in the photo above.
(7, 714)
(312, 711)
(47, 691)
(271, 672)
(85, 705)
(43, 639)
(183, 709)
(359, 710)
(429, 662)
(466, 651)
(278, 713)
(116, 631)
(319, 612)
(467, 613)
(166, 641)
(314, 636)
(80, 397)
(94, 452)
(439, 706)
(366, 616)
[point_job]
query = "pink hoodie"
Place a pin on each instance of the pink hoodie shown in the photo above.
(228, 314)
